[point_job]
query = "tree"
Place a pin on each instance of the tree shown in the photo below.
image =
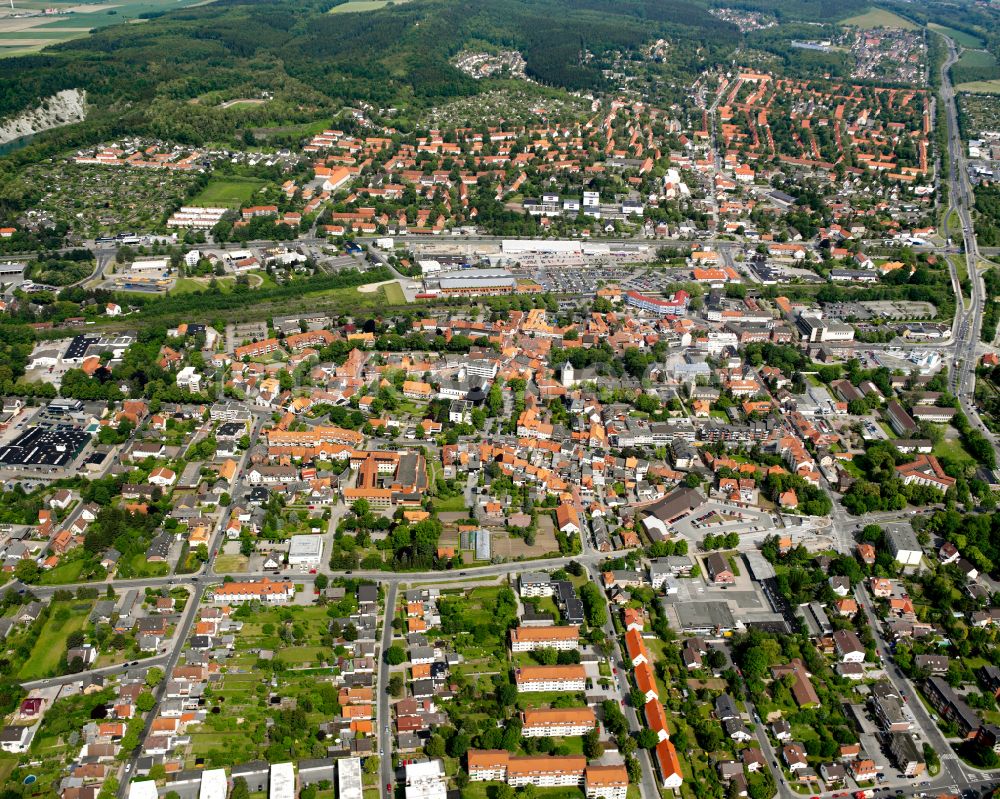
(506, 695)
(321, 581)
(371, 764)
(240, 789)
(396, 684)
(145, 701)
(153, 676)
(594, 605)
(434, 746)
(646, 738)
(931, 757)
(592, 747)
(394, 655)
(27, 571)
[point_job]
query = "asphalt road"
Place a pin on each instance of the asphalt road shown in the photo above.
(383, 719)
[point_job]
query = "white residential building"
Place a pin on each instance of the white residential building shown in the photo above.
(550, 678)
(426, 780)
(528, 639)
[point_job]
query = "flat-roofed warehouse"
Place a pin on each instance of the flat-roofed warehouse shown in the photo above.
(703, 617)
(760, 567)
(12, 272)
(305, 550)
(477, 281)
(41, 447)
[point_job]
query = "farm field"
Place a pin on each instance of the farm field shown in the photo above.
(976, 59)
(878, 18)
(352, 6)
(961, 37)
(26, 34)
(230, 192)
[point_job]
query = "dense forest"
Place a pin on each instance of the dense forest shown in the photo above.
(313, 62)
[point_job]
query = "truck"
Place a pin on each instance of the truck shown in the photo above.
(867, 793)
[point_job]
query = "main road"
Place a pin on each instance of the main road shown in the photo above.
(968, 322)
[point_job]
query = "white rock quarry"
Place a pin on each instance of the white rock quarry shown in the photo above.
(62, 108)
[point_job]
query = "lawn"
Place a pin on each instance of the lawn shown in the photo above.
(230, 192)
(879, 18)
(352, 6)
(7, 765)
(961, 37)
(536, 699)
(143, 568)
(456, 504)
(300, 655)
(65, 618)
(64, 573)
(478, 790)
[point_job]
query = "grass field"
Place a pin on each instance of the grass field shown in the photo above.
(963, 272)
(228, 564)
(879, 18)
(394, 294)
(952, 448)
(980, 87)
(51, 644)
(352, 6)
(230, 192)
(187, 285)
(961, 37)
